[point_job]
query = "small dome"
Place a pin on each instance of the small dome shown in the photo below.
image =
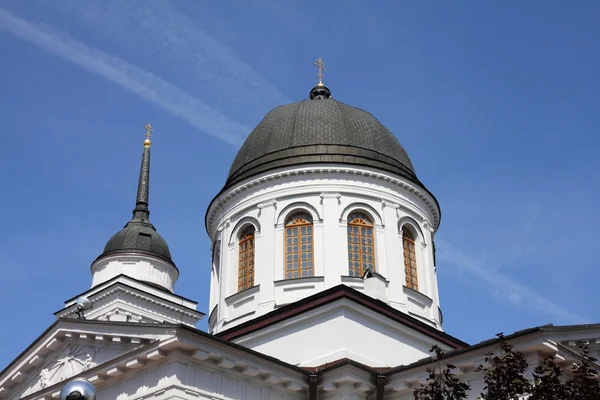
(319, 131)
(138, 236)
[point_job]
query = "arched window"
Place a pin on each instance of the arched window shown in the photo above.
(299, 260)
(410, 259)
(246, 259)
(361, 244)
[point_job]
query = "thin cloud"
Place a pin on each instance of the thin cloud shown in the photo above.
(161, 33)
(516, 293)
(148, 86)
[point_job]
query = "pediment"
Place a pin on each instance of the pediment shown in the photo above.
(69, 348)
(72, 358)
(114, 356)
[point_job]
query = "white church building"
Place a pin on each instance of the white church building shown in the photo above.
(323, 283)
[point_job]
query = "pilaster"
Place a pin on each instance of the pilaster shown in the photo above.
(335, 257)
(394, 255)
(265, 260)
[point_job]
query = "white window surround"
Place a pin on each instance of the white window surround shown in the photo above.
(420, 244)
(296, 208)
(364, 209)
(241, 226)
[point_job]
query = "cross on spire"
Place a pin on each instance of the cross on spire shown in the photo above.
(321, 67)
(149, 131)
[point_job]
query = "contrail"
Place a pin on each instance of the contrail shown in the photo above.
(515, 292)
(157, 30)
(148, 86)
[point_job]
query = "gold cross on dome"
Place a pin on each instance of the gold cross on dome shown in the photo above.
(149, 131)
(321, 67)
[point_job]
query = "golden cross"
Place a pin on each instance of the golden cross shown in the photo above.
(148, 131)
(321, 67)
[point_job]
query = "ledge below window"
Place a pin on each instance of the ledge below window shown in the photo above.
(417, 297)
(291, 290)
(355, 282)
(242, 297)
(307, 279)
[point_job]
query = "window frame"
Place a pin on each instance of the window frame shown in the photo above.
(366, 224)
(246, 253)
(299, 220)
(411, 269)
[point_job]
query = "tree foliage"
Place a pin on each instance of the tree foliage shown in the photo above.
(503, 376)
(547, 381)
(583, 384)
(441, 384)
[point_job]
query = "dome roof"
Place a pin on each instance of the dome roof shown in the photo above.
(138, 236)
(322, 130)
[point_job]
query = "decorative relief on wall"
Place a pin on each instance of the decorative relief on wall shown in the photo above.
(269, 203)
(118, 314)
(72, 360)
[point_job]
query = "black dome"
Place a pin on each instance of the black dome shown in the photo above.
(319, 131)
(138, 236)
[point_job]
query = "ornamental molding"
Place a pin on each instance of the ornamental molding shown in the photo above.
(428, 226)
(118, 311)
(421, 194)
(385, 203)
(349, 380)
(224, 225)
(266, 204)
(70, 361)
(330, 195)
(120, 290)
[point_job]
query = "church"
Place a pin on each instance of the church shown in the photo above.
(323, 283)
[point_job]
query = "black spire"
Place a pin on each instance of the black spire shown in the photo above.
(141, 210)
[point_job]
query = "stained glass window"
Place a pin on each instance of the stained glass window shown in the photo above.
(299, 247)
(246, 259)
(410, 259)
(361, 244)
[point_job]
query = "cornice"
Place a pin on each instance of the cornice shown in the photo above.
(233, 193)
(69, 312)
(145, 353)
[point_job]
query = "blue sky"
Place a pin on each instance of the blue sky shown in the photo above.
(496, 103)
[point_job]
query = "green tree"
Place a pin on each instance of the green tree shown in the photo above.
(583, 384)
(441, 384)
(503, 375)
(547, 382)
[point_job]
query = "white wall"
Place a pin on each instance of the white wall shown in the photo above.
(329, 195)
(340, 330)
(138, 266)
